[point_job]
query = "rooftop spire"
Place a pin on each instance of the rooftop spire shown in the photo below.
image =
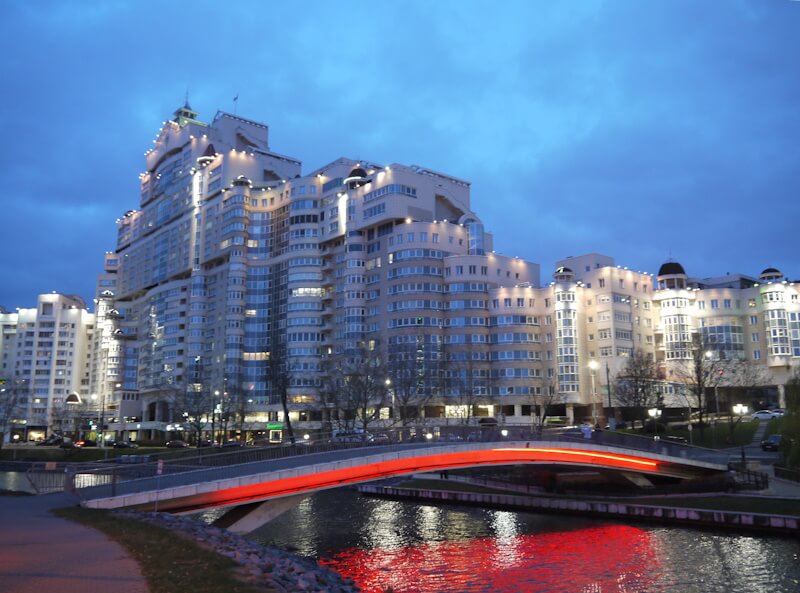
(185, 114)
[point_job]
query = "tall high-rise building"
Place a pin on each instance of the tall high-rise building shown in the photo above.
(255, 289)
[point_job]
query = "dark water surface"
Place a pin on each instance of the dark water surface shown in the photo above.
(446, 549)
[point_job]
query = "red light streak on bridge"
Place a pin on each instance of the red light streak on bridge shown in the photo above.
(406, 465)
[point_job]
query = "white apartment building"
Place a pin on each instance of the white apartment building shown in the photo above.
(45, 360)
(241, 278)
(734, 318)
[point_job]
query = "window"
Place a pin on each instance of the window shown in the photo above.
(715, 303)
(756, 354)
(726, 303)
(601, 283)
(754, 320)
(754, 337)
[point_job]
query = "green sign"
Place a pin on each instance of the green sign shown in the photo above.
(274, 426)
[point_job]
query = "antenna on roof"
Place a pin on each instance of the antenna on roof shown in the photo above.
(235, 102)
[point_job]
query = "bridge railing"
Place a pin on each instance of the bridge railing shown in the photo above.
(123, 478)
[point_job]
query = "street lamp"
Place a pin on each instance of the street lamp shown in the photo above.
(654, 413)
(593, 365)
(214, 416)
(740, 410)
(388, 383)
(100, 413)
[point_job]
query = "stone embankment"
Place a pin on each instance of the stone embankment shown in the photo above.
(263, 566)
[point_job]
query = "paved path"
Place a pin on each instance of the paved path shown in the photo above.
(40, 552)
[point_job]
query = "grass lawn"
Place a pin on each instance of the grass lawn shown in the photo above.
(170, 563)
(723, 435)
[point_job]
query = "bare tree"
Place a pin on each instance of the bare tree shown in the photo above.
(358, 389)
(192, 405)
(280, 376)
(467, 376)
(11, 408)
(543, 397)
(412, 376)
(702, 373)
(637, 385)
(749, 375)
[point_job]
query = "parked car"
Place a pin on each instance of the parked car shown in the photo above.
(86, 443)
(771, 443)
(176, 444)
(777, 412)
(126, 445)
(69, 445)
(763, 415)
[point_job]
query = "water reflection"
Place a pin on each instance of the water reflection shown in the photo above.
(611, 559)
(427, 549)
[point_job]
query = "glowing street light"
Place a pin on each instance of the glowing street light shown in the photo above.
(593, 366)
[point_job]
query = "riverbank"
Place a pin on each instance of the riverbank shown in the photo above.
(778, 524)
(259, 568)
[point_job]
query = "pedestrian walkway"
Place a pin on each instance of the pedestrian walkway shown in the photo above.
(41, 552)
(758, 435)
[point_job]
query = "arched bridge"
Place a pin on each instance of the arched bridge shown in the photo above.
(231, 480)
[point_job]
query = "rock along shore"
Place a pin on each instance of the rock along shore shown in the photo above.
(262, 565)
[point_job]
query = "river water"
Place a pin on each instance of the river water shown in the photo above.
(415, 548)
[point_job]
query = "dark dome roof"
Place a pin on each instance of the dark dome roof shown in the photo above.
(670, 268)
(770, 271)
(563, 270)
(357, 172)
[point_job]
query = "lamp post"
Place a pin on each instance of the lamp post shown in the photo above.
(214, 416)
(593, 365)
(99, 420)
(740, 410)
(388, 383)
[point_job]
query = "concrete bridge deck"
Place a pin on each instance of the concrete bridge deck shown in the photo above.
(200, 488)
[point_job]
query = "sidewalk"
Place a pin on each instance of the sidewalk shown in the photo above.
(41, 552)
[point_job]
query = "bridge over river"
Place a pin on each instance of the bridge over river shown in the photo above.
(263, 482)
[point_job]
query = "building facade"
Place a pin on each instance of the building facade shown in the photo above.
(45, 367)
(241, 285)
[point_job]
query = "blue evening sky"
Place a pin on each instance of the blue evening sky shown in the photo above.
(638, 129)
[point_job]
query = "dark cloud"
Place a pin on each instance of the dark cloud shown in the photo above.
(641, 130)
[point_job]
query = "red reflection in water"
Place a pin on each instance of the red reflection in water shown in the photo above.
(608, 559)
